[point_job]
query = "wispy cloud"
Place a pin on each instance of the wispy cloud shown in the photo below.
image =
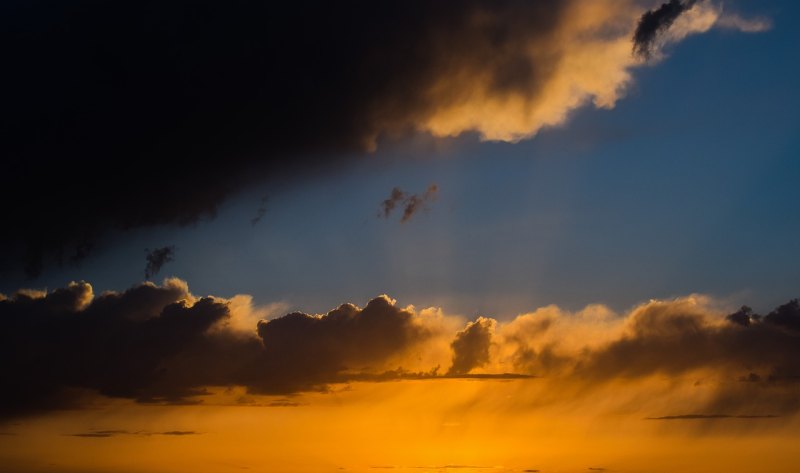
(408, 202)
(156, 259)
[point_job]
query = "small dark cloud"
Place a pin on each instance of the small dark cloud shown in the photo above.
(471, 346)
(655, 22)
(102, 433)
(92, 435)
(156, 259)
(744, 316)
(395, 197)
(750, 378)
(433, 375)
(452, 467)
(260, 212)
(178, 432)
(530, 470)
(283, 403)
(408, 202)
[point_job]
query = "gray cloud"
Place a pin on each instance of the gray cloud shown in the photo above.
(655, 22)
(408, 202)
(156, 259)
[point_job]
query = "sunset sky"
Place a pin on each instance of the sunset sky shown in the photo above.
(403, 235)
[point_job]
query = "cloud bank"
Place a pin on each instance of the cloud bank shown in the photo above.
(161, 344)
(165, 108)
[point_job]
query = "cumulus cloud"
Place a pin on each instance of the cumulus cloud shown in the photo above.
(471, 346)
(304, 350)
(742, 364)
(257, 89)
(162, 344)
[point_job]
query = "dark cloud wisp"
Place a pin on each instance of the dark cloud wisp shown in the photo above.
(156, 259)
(408, 202)
(655, 22)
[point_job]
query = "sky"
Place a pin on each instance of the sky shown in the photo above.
(508, 235)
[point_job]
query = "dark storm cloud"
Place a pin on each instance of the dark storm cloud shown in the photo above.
(160, 344)
(655, 22)
(56, 347)
(303, 351)
(409, 203)
(156, 259)
(124, 114)
(471, 346)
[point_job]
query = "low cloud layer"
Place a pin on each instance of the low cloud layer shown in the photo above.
(161, 344)
(99, 434)
(166, 108)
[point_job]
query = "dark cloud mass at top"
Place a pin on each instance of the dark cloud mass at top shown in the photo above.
(125, 114)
